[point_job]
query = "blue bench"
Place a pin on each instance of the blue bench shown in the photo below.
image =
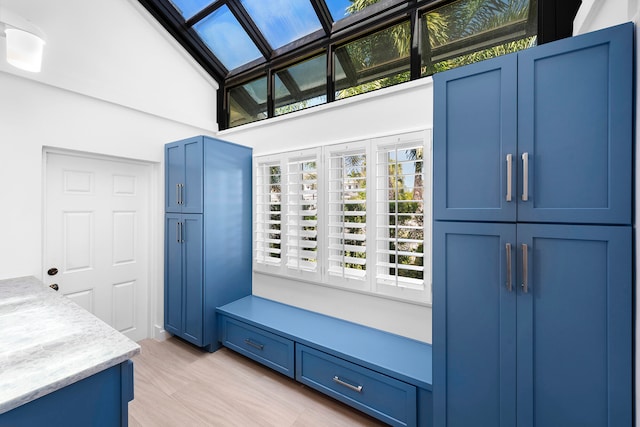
(384, 375)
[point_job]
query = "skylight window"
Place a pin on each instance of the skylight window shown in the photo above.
(188, 8)
(226, 38)
(282, 21)
(339, 8)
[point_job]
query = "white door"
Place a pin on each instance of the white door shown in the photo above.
(96, 237)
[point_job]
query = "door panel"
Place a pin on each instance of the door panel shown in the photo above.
(173, 274)
(574, 326)
(193, 173)
(193, 278)
(96, 233)
(474, 325)
(475, 129)
(575, 123)
(174, 169)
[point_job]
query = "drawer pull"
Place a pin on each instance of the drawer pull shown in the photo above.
(253, 344)
(347, 385)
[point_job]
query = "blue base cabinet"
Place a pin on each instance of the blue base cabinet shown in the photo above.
(532, 325)
(532, 238)
(207, 234)
(101, 400)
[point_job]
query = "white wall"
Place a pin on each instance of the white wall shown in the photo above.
(111, 84)
(595, 15)
(398, 109)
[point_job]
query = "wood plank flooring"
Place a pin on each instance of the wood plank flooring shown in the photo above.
(179, 385)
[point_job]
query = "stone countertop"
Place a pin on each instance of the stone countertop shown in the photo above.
(48, 342)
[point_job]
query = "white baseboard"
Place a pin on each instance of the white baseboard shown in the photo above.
(159, 333)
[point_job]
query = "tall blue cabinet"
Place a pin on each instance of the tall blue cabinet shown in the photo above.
(532, 238)
(207, 234)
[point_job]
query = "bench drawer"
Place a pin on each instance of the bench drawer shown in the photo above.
(262, 346)
(376, 394)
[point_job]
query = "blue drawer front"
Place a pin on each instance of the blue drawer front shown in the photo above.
(262, 346)
(378, 395)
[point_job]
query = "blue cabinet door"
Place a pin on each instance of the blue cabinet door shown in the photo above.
(183, 297)
(574, 326)
(575, 126)
(193, 279)
(184, 176)
(192, 194)
(475, 131)
(174, 176)
(474, 329)
(173, 274)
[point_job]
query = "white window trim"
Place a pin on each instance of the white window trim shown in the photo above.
(370, 285)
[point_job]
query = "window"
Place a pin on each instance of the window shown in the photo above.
(463, 32)
(373, 62)
(220, 30)
(282, 21)
(268, 208)
(301, 86)
(347, 213)
(248, 103)
(355, 216)
(287, 197)
(301, 212)
(402, 247)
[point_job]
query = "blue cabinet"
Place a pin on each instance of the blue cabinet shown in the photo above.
(101, 400)
(207, 253)
(532, 325)
(542, 135)
(532, 238)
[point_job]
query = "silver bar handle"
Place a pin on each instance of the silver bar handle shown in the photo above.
(525, 177)
(181, 202)
(509, 284)
(357, 389)
(177, 194)
(525, 268)
(253, 344)
(509, 176)
(178, 232)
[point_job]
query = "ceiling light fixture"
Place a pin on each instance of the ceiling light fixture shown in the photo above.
(25, 41)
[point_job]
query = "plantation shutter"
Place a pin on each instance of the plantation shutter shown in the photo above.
(347, 214)
(302, 213)
(400, 215)
(268, 221)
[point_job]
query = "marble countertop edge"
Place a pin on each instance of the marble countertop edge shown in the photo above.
(48, 342)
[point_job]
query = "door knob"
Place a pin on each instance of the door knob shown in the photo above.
(52, 271)
(54, 286)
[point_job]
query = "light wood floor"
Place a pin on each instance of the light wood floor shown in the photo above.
(179, 385)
